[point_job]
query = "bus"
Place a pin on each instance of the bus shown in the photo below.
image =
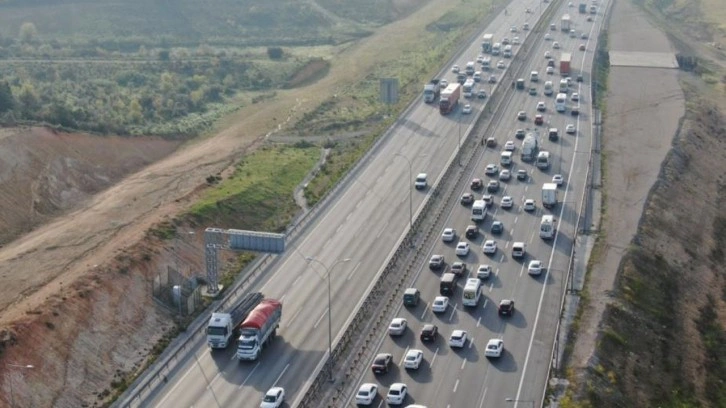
(479, 210)
(561, 102)
(472, 292)
(547, 227)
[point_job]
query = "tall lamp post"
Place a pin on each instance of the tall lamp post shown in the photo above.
(519, 400)
(330, 311)
(410, 191)
(21, 366)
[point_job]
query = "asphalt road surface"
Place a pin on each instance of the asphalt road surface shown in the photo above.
(365, 224)
(465, 377)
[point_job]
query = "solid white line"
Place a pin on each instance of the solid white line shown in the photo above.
(320, 318)
(463, 363)
(400, 363)
(381, 231)
(424, 312)
(296, 280)
(456, 384)
(434, 358)
(453, 310)
(178, 383)
(248, 376)
(281, 374)
(483, 397)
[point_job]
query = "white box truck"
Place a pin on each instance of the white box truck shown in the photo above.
(549, 195)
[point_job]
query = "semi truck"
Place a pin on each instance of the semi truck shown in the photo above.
(565, 62)
(549, 195)
(583, 8)
(449, 98)
(529, 147)
(431, 91)
(223, 326)
(258, 329)
(566, 23)
(487, 42)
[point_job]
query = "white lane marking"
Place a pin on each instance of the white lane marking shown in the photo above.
(471, 343)
(400, 363)
(434, 358)
(289, 321)
(478, 321)
(178, 383)
(248, 376)
(484, 305)
(424, 312)
(481, 404)
(491, 286)
(320, 318)
(515, 219)
(380, 404)
(526, 187)
(281, 374)
(337, 230)
(282, 298)
(453, 310)
(355, 268)
(381, 231)
(349, 214)
(456, 384)
(296, 280)
(463, 363)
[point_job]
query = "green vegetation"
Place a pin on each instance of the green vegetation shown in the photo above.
(258, 196)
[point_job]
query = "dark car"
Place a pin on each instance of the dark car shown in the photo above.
(519, 134)
(491, 142)
(472, 231)
(497, 227)
(575, 111)
(551, 63)
(429, 332)
(538, 120)
(436, 262)
(458, 268)
(411, 296)
(381, 363)
(579, 78)
(506, 307)
(521, 175)
(533, 91)
(476, 184)
(467, 198)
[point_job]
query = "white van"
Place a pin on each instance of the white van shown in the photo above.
(563, 86)
(505, 159)
(561, 102)
(507, 53)
(518, 250)
(486, 63)
(548, 88)
(470, 68)
(534, 76)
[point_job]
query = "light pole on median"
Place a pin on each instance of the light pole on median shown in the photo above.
(410, 191)
(330, 311)
(518, 400)
(21, 366)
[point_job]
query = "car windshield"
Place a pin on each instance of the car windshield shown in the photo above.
(394, 392)
(363, 393)
(270, 398)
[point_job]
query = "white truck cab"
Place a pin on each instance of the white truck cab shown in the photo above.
(421, 182)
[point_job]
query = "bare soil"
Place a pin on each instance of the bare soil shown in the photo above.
(75, 291)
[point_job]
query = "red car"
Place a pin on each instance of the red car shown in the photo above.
(538, 120)
(381, 363)
(476, 184)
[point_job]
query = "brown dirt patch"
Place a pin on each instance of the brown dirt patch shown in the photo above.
(310, 73)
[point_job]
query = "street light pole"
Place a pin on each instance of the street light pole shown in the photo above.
(458, 148)
(12, 396)
(518, 400)
(330, 312)
(209, 385)
(410, 191)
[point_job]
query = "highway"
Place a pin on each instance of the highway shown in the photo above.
(465, 377)
(365, 224)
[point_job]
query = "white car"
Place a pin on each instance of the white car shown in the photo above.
(480, 58)
(505, 175)
(547, 55)
(570, 129)
(448, 235)
(491, 169)
(457, 339)
(547, 37)
(466, 110)
(575, 97)
(501, 65)
(397, 326)
(541, 106)
(529, 205)
(558, 179)
(507, 202)
(556, 45)
(513, 29)
(535, 267)
(549, 70)
(516, 41)
(490, 247)
(484, 271)
(462, 248)
(413, 359)
(455, 69)
(494, 348)
(366, 394)
(443, 83)
(477, 76)
(273, 398)
(509, 146)
(440, 304)
(397, 393)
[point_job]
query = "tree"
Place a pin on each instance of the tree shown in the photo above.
(28, 32)
(7, 102)
(28, 99)
(275, 53)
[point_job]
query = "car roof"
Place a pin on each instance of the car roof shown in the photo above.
(429, 326)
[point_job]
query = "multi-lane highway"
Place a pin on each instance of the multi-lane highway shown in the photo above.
(365, 223)
(465, 377)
